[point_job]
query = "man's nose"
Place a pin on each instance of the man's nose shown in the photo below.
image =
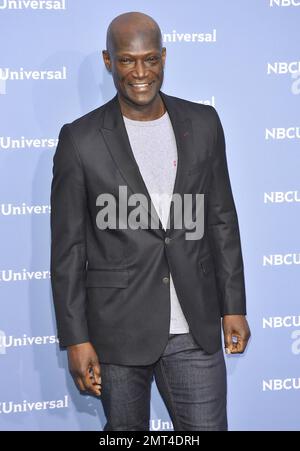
(140, 69)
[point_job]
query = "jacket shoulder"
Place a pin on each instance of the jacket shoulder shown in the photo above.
(88, 121)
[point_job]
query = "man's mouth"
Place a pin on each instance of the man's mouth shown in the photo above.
(141, 85)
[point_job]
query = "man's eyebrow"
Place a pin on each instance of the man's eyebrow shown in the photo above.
(126, 53)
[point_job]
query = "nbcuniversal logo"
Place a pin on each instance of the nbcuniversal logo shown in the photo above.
(21, 74)
(12, 341)
(33, 4)
(283, 3)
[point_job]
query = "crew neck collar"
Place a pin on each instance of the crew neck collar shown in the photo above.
(146, 123)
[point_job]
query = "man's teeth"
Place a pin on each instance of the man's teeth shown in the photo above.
(141, 85)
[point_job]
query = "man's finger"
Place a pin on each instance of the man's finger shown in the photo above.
(234, 344)
(239, 347)
(89, 384)
(96, 372)
(228, 343)
(227, 340)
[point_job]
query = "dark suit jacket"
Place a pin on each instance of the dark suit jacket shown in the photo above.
(109, 286)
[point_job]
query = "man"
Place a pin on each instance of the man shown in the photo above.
(136, 302)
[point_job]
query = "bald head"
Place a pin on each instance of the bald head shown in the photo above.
(135, 58)
(129, 26)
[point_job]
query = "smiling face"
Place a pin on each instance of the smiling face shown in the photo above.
(136, 59)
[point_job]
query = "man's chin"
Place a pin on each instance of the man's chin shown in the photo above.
(142, 99)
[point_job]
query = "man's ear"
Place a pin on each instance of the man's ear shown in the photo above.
(163, 55)
(106, 59)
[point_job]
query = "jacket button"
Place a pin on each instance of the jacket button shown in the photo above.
(165, 280)
(167, 240)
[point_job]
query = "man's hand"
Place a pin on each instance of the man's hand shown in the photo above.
(236, 333)
(85, 368)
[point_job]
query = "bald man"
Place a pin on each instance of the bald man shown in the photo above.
(136, 296)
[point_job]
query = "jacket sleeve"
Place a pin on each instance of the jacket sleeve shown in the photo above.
(223, 230)
(68, 246)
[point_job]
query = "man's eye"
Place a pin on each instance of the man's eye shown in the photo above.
(125, 60)
(152, 59)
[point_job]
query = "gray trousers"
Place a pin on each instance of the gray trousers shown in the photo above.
(191, 383)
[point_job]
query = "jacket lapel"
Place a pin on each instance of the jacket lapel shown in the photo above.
(186, 157)
(117, 141)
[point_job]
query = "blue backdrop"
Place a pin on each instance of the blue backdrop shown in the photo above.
(242, 57)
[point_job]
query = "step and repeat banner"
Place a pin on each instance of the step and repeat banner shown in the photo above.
(242, 57)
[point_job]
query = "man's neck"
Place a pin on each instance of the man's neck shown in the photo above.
(143, 112)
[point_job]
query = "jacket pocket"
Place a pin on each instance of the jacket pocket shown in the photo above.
(107, 278)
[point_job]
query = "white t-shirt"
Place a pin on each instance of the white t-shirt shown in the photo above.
(154, 147)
